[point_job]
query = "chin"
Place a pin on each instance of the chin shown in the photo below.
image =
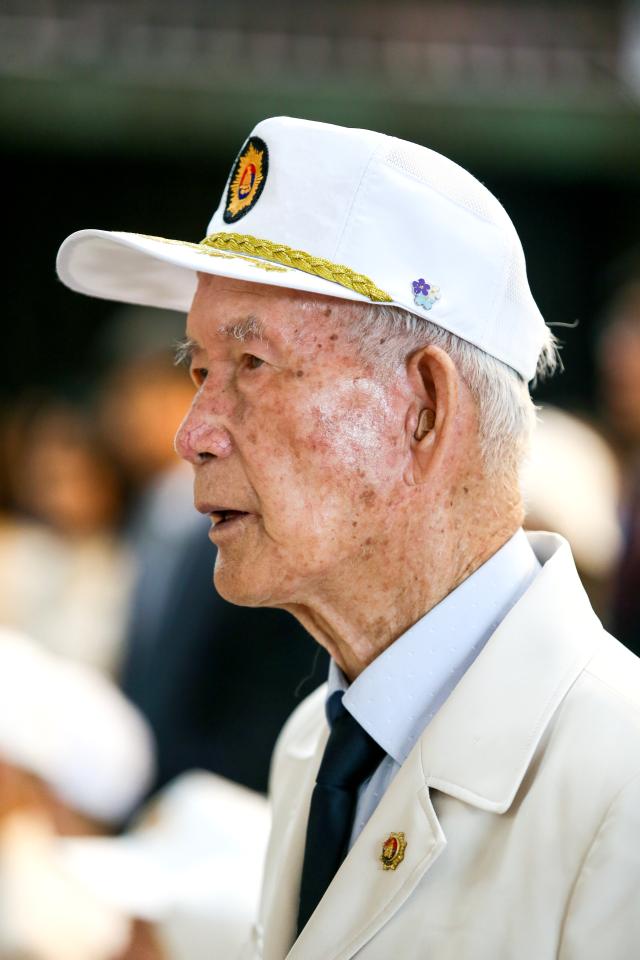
(237, 584)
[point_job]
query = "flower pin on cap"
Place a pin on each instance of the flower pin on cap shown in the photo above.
(424, 294)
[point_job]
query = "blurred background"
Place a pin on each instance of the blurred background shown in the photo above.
(127, 114)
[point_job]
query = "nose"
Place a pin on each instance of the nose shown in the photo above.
(200, 439)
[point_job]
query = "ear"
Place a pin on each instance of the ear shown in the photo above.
(431, 419)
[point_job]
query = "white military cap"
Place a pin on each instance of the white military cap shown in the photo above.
(71, 727)
(343, 212)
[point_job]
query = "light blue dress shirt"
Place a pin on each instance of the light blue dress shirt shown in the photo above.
(398, 694)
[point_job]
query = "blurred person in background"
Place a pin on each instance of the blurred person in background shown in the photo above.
(571, 485)
(66, 575)
(618, 358)
(139, 403)
(75, 758)
(140, 398)
(190, 865)
(189, 656)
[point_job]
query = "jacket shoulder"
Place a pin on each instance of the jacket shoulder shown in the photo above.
(598, 724)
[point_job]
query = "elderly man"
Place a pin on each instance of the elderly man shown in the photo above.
(361, 338)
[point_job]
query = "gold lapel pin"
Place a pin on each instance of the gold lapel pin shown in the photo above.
(393, 849)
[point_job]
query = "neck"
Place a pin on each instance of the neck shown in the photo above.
(368, 606)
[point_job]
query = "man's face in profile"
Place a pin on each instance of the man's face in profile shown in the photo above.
(298, 445)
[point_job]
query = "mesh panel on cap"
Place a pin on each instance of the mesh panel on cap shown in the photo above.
(517, 327)
(516, 288)
(445, 177)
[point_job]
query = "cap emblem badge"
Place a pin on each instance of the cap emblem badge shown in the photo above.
(393, 849)
(247, 179)
(424, 294)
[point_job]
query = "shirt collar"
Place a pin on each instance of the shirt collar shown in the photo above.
(401, 690)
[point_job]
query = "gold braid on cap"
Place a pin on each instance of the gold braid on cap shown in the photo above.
(243, 243)
(200, 248)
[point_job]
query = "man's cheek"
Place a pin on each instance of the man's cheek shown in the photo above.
(355, 422)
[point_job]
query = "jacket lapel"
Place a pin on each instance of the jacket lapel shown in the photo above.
(283, 864)
(363, 896)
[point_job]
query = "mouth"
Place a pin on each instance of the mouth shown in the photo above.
(221, 516)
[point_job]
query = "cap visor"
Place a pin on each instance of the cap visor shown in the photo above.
(153, 272)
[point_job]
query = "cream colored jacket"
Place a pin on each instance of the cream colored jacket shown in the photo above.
(520, 805)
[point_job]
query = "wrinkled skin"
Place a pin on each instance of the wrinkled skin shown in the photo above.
(306, 442)
(294, 428)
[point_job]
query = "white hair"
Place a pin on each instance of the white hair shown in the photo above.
(506, 412)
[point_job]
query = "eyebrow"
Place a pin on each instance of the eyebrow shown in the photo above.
(248, 328)
(184, 350)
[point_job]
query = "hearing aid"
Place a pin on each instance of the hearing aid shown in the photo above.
(426, 421)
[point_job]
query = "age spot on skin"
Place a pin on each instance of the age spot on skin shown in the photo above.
(327, 311)
(368, 496)
(299, 373)
(334, 336)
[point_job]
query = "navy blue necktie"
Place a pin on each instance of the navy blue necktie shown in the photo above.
(349, 758)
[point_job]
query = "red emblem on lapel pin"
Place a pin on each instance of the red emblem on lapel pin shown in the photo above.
(393, 849)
